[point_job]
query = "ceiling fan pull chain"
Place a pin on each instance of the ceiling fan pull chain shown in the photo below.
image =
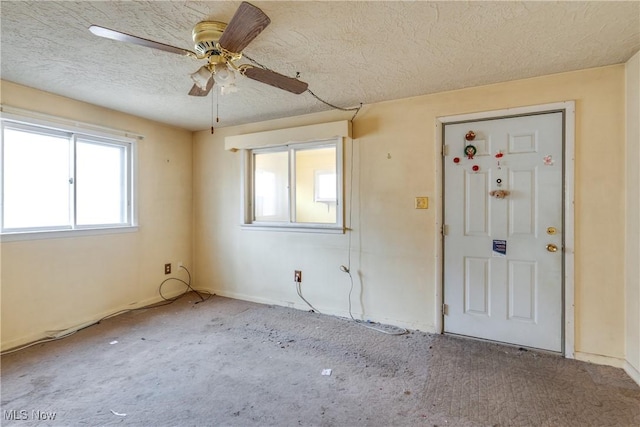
(212, 112)
(217, 110)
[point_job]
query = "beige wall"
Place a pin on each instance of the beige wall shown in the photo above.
(58, 283)
(632, 252)
(395, 246)
(55, 284)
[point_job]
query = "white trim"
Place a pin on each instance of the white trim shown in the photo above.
(32, 117)
(568, 107)
(75, 136)
(569, 228)
(133, 188)
(248, 180)
(292, 180)
(631, 371)
(298, 228)
(340, 171)
(279, 137)
(61, 234)
(246, 187)
(439, 267)
(73, 184)
(600, 359)
(517, 111)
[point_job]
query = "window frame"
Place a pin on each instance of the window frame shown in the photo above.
(75, 135)
(248, 188)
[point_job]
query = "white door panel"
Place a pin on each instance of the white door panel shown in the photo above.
(515, 296)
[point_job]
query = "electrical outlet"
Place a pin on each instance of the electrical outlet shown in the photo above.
(297, 276)
(167, 268)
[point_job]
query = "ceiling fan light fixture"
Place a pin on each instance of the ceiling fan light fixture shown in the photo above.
(201, 77)
(230, 88)
(223, 75)
(225, 78)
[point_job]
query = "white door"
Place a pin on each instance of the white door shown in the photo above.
(503, 221)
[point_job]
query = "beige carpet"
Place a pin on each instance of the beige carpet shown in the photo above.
(233, 363)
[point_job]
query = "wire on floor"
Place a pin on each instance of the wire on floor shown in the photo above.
(167, 301)
(189, 288)
(385, 329)
(299, 290)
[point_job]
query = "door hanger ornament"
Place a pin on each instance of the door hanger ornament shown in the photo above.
(499, 193)
(499, 155)
(470, 150)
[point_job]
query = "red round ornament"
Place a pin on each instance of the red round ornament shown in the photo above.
(456, 160)
(475, 168)
(470, 136)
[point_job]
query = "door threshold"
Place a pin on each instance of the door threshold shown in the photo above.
(506, 344)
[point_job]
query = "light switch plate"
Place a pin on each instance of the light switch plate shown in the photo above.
(422, 203)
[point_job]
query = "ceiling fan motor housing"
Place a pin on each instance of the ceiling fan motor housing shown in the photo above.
(206, 35)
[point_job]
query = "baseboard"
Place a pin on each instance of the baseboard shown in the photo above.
(632, 372)
(599, 359)
(251, 298)
(17, 342)
(610, 361)
(324, 310)
(42, 335)
(299, 305)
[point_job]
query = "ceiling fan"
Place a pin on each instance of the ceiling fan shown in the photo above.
(221, 45)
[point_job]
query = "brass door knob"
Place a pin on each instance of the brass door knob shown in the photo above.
(552, 248)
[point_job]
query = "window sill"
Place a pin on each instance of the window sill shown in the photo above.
(295, 228)
(60, 234)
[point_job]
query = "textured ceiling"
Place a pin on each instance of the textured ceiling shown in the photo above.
(348, 52)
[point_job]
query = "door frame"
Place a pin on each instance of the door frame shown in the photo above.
(568, 110)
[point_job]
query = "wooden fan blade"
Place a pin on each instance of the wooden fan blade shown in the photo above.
(275, 79)
(197, 91)
(128, 38)
(246, 24)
